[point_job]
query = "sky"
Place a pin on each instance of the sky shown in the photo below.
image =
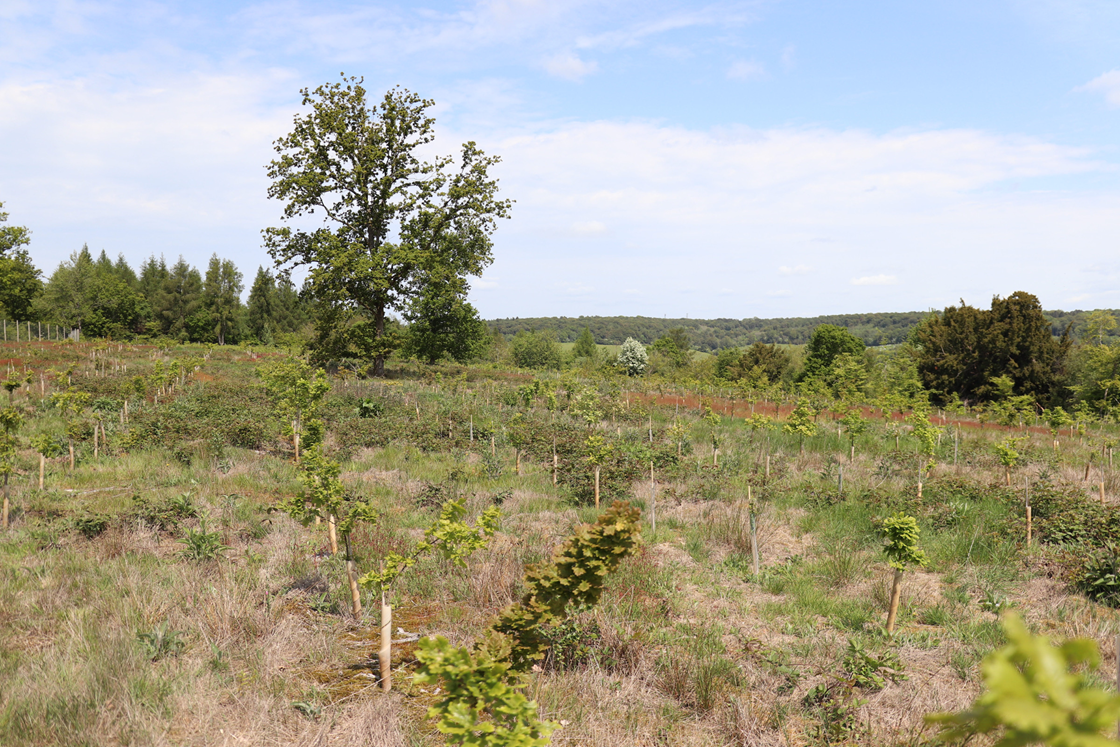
(727, 159)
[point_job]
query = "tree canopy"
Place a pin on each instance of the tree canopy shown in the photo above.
(827, 344)
(395, 225)
(962, 350)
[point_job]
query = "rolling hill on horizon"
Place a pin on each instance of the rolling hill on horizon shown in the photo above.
(709, 335)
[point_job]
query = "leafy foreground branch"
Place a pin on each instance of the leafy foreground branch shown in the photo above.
(1032, 697)
(484, 704)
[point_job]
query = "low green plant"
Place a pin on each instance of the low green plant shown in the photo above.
(201, 545)
(1099, 579)
(1036, 693)
(370, 408)
(91, 525)
(161, 642)
(870, 671)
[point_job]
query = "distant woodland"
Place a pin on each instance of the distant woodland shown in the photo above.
(711, 335)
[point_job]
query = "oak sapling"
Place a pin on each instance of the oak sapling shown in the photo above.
(925, 433)
(801, 423)
(1008, 456)
(48, 447)
(324, 497)
(901, 533)
(452, 538)
(72, 404)
(298, 389)
(855, 425)
(598, 451)
(11, 420)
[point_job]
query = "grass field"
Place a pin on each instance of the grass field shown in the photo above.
(153, 595)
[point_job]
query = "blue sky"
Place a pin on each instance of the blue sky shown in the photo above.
(732, 159)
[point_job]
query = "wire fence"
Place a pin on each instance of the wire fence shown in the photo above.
(18, 331)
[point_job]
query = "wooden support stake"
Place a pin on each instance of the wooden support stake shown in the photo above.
(517, 462)
(555, 462)
(385, 654)
(652, 500)
(596, 486)
(840, 482)
(42, 469)
(332, 532)
(896, 593)
(1029, 526)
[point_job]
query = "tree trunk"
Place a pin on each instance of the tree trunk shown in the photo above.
(896, 592)
(379, 330)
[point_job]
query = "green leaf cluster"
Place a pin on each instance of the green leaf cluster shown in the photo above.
(901, 533)
(1032, 696)
(483, 705)
(574, 578)
(450, 535)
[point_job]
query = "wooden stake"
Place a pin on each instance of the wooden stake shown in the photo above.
(652, 500)
(42, 470)
(896, 593)
(555, 462)
(493, 450)
(754, 532)
(352, 577)
(840, 482)
(767, 466)
(332, 532)
(1028, 526)
(385, 654)
(517, 461)
(596, 486)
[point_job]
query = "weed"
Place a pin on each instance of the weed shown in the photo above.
(1100, 578)
(202, 545)
(91, 525)
(161, 642)
(871, 672)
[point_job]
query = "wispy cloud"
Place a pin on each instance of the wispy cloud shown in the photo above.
(875, 280)
(746, 70)
(795, 270)
(588, 228)
(569, 66)
(1107, 84)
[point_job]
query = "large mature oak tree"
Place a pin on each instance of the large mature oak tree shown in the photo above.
(396, 226)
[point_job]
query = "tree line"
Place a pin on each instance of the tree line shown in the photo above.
(712, 335)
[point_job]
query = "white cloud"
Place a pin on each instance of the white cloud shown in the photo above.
(795, 270)
(588, 228)
(1107, 84)
(779, 293)
(569, 67)
(746, 70)
(875, 280)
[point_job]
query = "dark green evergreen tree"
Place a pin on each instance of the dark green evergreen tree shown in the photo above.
(585, 345)
(963, 349)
